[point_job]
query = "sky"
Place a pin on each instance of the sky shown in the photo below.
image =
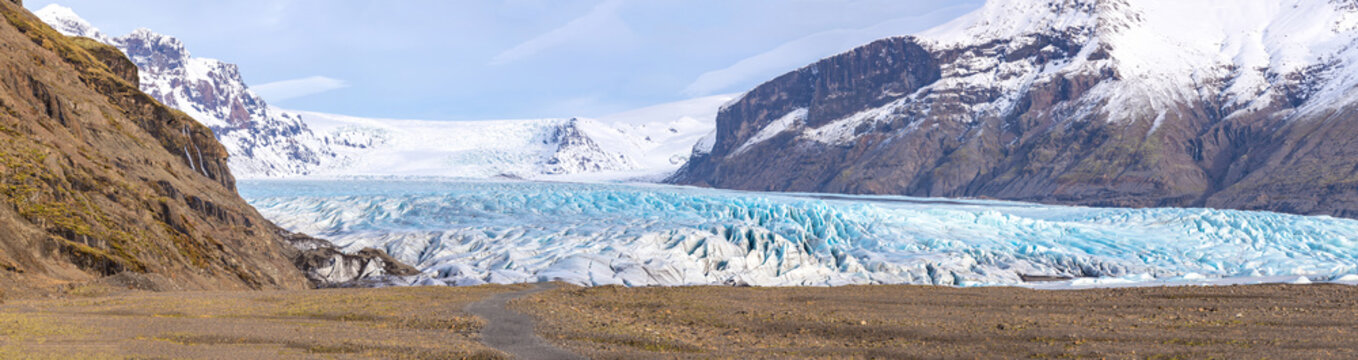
(511, 59)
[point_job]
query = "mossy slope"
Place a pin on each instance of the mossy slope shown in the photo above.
(97, 177)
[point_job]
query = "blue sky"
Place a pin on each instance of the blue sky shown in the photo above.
(467, 60)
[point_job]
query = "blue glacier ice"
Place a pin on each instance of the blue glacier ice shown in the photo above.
(474, 232)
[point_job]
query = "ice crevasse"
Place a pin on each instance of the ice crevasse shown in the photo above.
(474, 232)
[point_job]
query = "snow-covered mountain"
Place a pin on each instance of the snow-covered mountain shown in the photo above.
(1236, 104)
(265, 141)
(1246, 57)
(648, 143)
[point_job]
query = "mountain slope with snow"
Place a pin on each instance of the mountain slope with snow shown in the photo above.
(1243, 104)
(263, 142)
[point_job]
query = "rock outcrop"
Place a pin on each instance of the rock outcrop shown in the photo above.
(577, 153)
(326, 266)
(1105, 103)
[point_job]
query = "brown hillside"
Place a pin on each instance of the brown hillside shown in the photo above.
(97, 178)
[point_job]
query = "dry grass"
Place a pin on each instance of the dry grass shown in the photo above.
(1274, 321)
(393, 323)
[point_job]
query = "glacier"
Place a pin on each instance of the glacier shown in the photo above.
(468, 232)
(648, 143)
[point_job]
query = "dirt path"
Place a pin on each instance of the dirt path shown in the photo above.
(512, 332)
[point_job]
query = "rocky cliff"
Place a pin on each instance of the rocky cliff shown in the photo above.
(98, 178)
(1108, 103)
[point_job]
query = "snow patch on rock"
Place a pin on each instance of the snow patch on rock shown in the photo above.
(791, 121)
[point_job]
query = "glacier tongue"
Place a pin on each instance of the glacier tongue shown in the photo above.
(462, 233)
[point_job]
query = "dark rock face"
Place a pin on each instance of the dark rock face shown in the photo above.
(831, 89)
(930, 132)
(326, 266)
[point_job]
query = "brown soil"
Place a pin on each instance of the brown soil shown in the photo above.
(392, 323)
(1271, 321)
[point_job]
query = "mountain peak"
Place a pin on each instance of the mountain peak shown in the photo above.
(139, 44)
(1254, 48)
(1005, 19)
(144, 41)
(68, 23)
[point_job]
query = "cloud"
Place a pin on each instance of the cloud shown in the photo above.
(295, 88)
(600, 21)
(805, 50)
